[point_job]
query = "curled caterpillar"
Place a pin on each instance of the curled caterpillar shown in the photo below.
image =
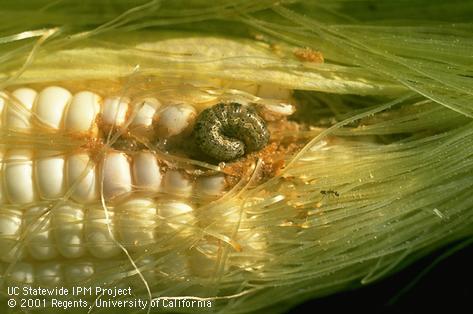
(226, 131)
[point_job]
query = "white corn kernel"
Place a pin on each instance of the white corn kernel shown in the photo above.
(100, 234)
(116, 175)
(283, 109)
(18, 177)
(50, 176)
(40, 241)
(10, 233)
(210, 185)
(18, 117)
(51, 104)
(68, 231)
(22, 273)
(177, 183)
(49, 275)
(78, 272)
(82, 112)
(114, 111)
(136, 222)
(175, 119)
(177, 216)
(81, 178)
(146, 173)
(144, 116)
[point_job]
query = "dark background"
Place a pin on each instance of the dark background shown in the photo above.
(447, 288)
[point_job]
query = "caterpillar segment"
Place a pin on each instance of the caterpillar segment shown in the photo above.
(95, 180)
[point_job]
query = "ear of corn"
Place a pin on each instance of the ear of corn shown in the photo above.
(96, 199)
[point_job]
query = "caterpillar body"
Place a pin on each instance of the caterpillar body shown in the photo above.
(218, 128)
